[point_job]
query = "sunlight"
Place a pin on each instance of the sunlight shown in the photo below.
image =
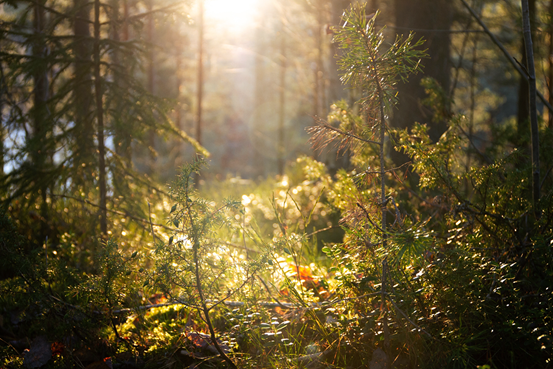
(234, 15)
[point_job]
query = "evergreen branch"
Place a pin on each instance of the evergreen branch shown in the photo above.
(117, 212)
(319, 132)
(158, 10)
(230, 294)
(406, 317)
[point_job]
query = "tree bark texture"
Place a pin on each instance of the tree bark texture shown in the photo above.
(431, 20)
(200, 81)
(3, 90)
(523, 112)
(533, 113)
(550, 66)
(40, 116)
(100, 122)
(260, 98)
(84, 124)
(151, 81)
(281, 98)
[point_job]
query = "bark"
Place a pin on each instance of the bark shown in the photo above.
(151, 81)
(120, 126)
(550, 66)
(200, 81)
(3, 90)
(523, 112)
(259, 101)
(336, 90)
(319, 94)
(84, 126)
(125, 149)
(40, 115)
(430, 19)
(282, 99)
(533, 113)
(100, 121)
(504, 51)
(178, 113)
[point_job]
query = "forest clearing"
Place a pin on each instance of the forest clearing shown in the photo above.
(276, 184)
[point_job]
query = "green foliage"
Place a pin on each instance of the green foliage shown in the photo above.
(458, 276)
(369, 66)
(463, 262)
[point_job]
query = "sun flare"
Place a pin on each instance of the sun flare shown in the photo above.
(235, 15)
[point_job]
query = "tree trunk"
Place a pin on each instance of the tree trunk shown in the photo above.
(200, 81)
(550, 66)
(125, 137)
(41, 120)
(100, 121)
(523, 112)
(179, 161)
(151, 81)
(260, 98)
(282, 97)
(533, 113)
(3, 90)
(84, 126)
(336, 90)
(424, 17)
(121, 127)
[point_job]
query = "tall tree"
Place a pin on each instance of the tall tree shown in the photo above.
(550, 64)
(151, 79)
(523, 111)
(39, 143)
(99, 96)
(83, 97)
(532, 109)
(282, 93)
(431, 20)
(2, 128)
(200, 80)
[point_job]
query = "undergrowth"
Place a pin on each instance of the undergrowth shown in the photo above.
(304, 270)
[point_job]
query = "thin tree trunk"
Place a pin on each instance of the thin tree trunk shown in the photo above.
(100, 121)
(83, 96)
(151, 80)
(523, 111)
(200, 81)
(532, 104)
(259, 100)
(320, 57)
(125, 20)
(3, 90)
(200, 89)
(282, 98)
(40, 113)
(118, 123)
(336, 90)
(550, 66)
(504, 51)
(126, 139)
(316, 72)
(178, 116)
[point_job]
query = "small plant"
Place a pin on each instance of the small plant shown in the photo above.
(375, 70)
(195, 267)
